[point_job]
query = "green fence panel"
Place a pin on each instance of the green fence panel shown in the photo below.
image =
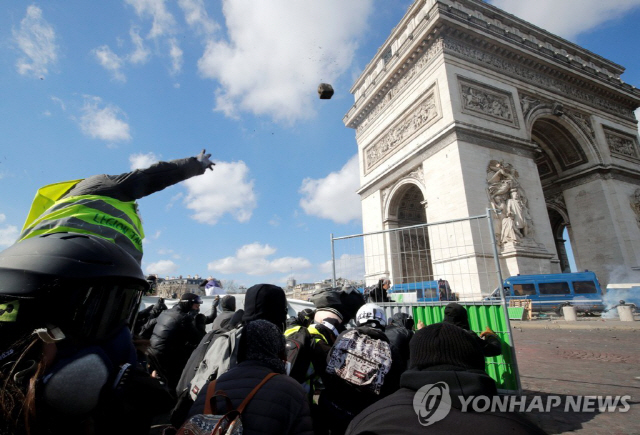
(500, 368)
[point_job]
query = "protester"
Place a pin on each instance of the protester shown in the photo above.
(357, 353)
(67, 361)
(303, 318)
(105, 205)
(456, 314)
(213, 357)
(155, 310)
(177, 333)
(399, 331)
(379, 293)
(441, 353)
(228, 305)
(279, 407)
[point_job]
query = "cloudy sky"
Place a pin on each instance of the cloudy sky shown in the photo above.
(106, 87)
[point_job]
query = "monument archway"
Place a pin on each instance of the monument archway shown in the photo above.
(500, 114)
(406, 208)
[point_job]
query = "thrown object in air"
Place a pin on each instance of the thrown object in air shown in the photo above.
(325, 90)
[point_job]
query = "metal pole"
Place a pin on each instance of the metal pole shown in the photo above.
(505, 310)
(333, 262)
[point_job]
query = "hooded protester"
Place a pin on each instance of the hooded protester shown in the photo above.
(155, 310)
(379, 293)
(213, 357)
(279, 407)
(446, 354)
(228, 305)
(456, 314)
(177, 333)
(399, 331)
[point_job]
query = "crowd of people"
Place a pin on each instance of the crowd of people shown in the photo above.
(78, 356)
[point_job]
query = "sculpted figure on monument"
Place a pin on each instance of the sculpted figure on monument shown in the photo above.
(635, 204)
(508, 199)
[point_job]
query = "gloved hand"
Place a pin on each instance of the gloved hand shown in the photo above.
(204, 159)
(486, 332)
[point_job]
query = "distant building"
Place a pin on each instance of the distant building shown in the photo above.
(170, 285)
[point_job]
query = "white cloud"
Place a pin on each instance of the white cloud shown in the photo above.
(163, 21)
(8, 233)
(176, 56)
(277, 52)
(334, 197)
(226, 189)
(37, 40)
(252, 260)
(197, 17)
(140, 54)
(110, 61)
(142, 161)
(567, 18)
(60, 102)
(162, 267)
(102, 122)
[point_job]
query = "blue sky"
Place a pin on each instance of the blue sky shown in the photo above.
(104, 87)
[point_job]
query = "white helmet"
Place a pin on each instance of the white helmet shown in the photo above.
(371, 313)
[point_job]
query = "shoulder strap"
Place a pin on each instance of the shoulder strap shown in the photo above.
(246, 401)
(211, 390)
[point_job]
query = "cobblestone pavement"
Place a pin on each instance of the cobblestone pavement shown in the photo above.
(584, 358)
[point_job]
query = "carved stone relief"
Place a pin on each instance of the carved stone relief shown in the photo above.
(532, 76)
(635, 205)
(415, 120)
(621, 144)
(508, 198)
(420, 64)
(487, 102)
(528, 104)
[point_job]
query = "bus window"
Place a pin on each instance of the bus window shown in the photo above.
(554, 288)
(524, 289)
(584, 287)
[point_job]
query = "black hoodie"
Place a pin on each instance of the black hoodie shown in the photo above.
(395, 414)
(268, 302)
(456, 314)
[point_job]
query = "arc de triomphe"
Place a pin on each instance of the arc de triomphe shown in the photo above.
(466, 107)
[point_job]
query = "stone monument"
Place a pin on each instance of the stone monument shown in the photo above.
(466, 107)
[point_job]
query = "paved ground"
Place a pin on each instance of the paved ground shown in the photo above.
(590, 357)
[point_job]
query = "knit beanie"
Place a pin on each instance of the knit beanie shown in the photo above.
(265, 343)
(456, 314)
(444, 344)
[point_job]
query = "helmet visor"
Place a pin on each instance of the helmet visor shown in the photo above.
(97, 311)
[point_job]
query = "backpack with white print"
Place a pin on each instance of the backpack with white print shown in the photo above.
(360, 360)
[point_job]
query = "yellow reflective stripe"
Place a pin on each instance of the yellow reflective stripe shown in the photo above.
(63, 229)
(126, 207)
(45, 197)
(94, 217)
(317, 335)
(9, 311)
(291, 330)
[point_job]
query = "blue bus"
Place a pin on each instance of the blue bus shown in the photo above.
(549, 292)
(423, 291)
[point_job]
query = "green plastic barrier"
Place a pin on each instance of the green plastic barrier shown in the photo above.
(500, 368)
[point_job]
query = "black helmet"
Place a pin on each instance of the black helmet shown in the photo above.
(83, 284)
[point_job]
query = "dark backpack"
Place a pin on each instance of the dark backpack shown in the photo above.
(213, 423)
(298, 348)
(360, 360)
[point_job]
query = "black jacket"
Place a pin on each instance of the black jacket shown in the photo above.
(228, 305)
(395, 414)
(340, 402)
(174, 337)
(378, 294)
(279, 407)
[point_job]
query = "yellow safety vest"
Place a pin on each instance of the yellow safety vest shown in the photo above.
(101, 216)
